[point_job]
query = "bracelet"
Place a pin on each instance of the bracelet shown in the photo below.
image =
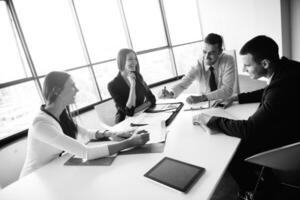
(103, 134)
(106, 135)
(98, 135)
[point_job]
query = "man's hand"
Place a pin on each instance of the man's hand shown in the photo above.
(196, 99)
(225, 103)
(165, 94)
(201, 119)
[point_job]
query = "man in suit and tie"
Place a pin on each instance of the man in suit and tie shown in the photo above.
(215, 72)
(273, 124)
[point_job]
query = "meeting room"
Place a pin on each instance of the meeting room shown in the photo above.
(149, 99)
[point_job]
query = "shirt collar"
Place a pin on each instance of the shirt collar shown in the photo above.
(270, 79)
(206, 67)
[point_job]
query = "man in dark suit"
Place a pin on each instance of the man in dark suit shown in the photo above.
(273, 124)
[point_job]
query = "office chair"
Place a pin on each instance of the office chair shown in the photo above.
(285, 164)
(12, 158)
(106, 113)
(236, 87)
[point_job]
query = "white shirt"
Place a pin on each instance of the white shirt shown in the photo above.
(224, 70)
(269, 79)
(46, 141)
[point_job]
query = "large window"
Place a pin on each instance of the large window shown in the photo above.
(156, 66)
(105, 73)
(187, 56)
(11, 56)
(183, 20)
(83, 38)
(18, 105)
(102, 27)
(145, 24)
(51, 34)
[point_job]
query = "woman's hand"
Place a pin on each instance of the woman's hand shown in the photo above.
(139, 138)
(125, 133)
(131, 78)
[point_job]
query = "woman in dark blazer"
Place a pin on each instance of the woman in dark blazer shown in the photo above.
(128, 89)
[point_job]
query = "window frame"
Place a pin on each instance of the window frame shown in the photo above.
(35, 77)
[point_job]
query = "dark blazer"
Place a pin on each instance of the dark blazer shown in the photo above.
(274, 123)
(119, 91)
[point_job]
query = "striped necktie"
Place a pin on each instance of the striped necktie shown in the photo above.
(212, 79)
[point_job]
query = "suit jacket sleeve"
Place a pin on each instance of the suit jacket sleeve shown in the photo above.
(251, 97)
(258, 126)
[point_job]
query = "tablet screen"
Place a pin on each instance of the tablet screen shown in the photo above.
(175, 174)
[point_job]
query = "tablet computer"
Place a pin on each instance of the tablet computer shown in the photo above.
(175, 174)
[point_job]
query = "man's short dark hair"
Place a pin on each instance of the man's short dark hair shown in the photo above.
(261, 47)
(213, 39)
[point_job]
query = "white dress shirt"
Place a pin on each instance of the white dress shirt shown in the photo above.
(224, 70)
(46, 141)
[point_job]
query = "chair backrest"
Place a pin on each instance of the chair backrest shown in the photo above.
(236, 87)
(285, 161)
(12, 158)
(106, 112)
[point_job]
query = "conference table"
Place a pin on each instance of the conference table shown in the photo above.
(124, 178)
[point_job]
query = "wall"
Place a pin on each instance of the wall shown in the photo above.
(286, 28)
(238, 21)
(295, 29)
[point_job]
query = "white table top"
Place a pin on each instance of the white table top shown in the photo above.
(124, 178)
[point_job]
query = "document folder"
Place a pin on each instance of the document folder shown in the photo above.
(147, 148)
(106, 161)
(173, 108)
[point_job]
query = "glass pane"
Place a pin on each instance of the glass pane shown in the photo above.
(102, 28)
(186, 56)
(18, 106)
(104, 74)
(183, 21)
(145, 24)
(51, 34)
(12, 62)
(87, 89)
(156, 66)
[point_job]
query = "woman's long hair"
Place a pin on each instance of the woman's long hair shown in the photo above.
(54, 83)
(121, 59)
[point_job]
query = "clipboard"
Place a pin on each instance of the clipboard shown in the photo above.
(147, 148)
(173, 108)
(105, 161)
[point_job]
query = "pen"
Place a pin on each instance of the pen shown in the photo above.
(164, 91)
(191, 109)
(133, 124)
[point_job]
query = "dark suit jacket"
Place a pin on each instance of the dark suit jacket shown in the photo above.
(274, 123)
(119, 91)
